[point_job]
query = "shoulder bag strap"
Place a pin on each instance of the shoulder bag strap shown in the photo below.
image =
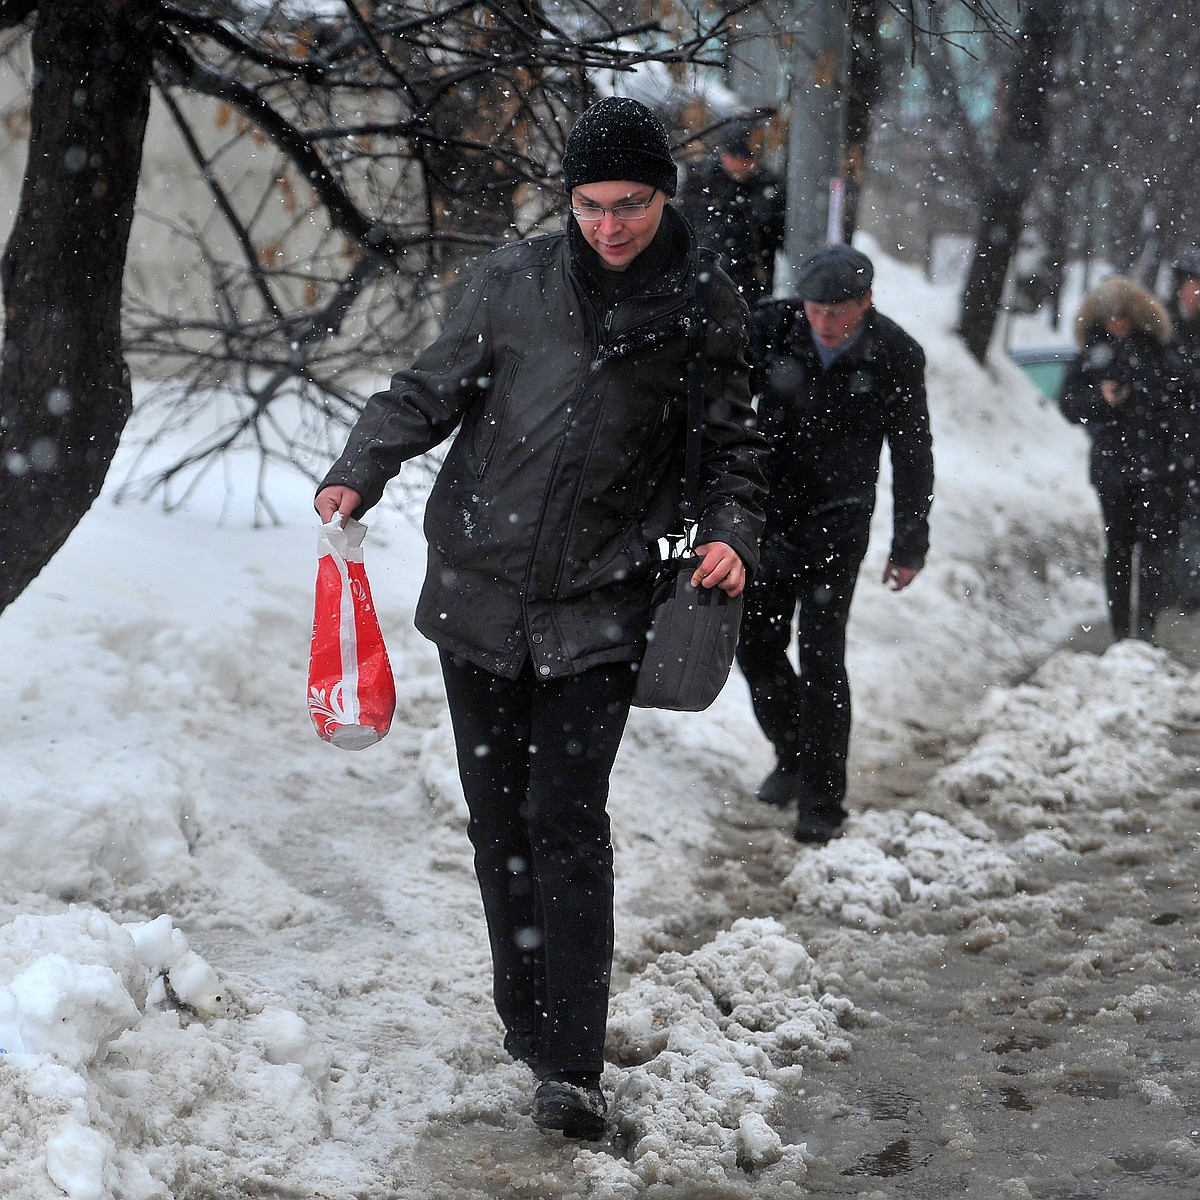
(697, 361)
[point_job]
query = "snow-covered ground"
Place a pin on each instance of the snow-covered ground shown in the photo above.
(235, 960)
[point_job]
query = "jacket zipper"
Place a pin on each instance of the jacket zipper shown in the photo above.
(604, 325)
(594, 324)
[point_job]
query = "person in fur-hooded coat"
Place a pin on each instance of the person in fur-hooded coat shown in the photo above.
(1130, 391)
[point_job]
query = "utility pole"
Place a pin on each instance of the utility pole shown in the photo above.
(820, 53)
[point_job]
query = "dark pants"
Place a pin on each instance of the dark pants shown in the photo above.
(1186, 582)
(534, 759)
(805, 715)
(1143, 517)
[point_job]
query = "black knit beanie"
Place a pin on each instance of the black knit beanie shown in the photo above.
(619, 138)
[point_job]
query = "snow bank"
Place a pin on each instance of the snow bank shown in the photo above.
(122, 1053)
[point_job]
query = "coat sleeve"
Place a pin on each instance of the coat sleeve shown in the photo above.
(910, 445)
(769, 321)
(732, 488)
(423, 405)
(1187, 420)
(1080, 400)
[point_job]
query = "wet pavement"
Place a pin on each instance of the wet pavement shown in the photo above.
(1035, 1045)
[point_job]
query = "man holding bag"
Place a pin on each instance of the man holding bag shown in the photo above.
(563, 370)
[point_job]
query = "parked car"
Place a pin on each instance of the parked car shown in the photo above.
(1046, 366)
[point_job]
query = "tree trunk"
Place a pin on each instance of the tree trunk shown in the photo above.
(861, 93)
(64, 387)
(816, 124)
(1018, 155)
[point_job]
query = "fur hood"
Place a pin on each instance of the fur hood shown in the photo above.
(1118, 295)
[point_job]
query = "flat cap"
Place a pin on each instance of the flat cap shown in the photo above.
(833, 274)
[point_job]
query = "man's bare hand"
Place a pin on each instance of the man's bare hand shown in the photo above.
(333, 500)
(898, 577)
(1114, 393)
(722, 567)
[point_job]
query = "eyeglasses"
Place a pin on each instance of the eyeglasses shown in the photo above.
(591, 213)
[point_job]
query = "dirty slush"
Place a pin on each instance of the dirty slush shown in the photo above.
(1017, 927)
(1026, 1015)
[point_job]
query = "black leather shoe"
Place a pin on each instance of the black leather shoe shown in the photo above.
(783, 788)
(578, 1111)
(818, 826)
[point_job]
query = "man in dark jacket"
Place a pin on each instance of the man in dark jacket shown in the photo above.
(1185, 320)
(1185, 307)
(833, 380)
(738, 208)
(563, 370)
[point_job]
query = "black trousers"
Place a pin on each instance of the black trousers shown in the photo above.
(805, 714)
(1143, 517)
(535, 759)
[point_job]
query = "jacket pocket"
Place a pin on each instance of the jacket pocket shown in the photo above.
(491, 424)
(625, 561)
(650, 458)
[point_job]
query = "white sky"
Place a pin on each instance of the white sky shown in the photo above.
(235, 960)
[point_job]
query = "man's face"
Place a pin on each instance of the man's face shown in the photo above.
(1188, 296)
(836, 324)
(617, 241)
(738, 167)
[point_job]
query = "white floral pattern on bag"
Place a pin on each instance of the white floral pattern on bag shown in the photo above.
(329, 711)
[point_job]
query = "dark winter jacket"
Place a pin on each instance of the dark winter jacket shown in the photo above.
(1186, 343)
(826, 429)
(1146, 437)
(544, 520)
(743, 222)
(1187, 339)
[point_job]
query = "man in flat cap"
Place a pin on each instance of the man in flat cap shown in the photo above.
(738, 208)
(563, 373)
(833, 380)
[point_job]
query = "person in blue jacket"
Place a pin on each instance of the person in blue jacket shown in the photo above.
(833, 380)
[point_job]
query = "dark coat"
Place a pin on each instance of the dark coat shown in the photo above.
(1187, 339)
(1186, 343)
(743, 222)
(1145, 438)
(826, 428)
(544, 520)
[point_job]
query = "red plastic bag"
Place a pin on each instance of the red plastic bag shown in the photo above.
(351, 689)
